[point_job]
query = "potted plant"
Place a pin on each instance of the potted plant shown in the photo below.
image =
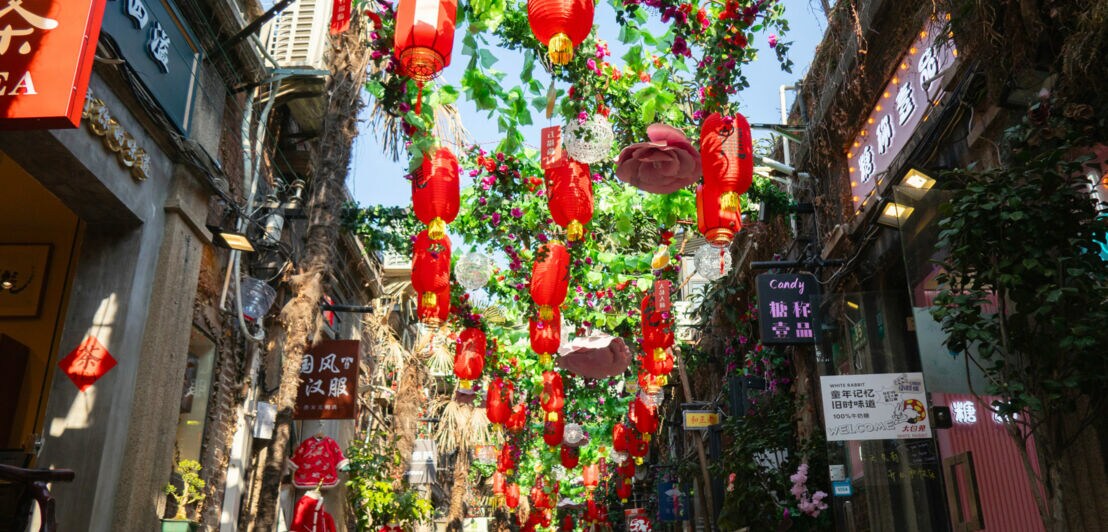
(191, 493)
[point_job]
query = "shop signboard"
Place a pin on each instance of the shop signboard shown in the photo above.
(328, 381)
(673, 504)
(46, 52)
(881, 406)
(903, 104)
(160, 49)
(788, 308)
(700, 419)
(637, 520)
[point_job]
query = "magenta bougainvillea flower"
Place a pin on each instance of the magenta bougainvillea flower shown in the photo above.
(665, 164)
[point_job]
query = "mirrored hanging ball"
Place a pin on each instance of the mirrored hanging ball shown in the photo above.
(473, 270)
(713, 261)
(589, 141)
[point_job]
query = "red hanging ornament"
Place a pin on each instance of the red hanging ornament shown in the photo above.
(499, 480)
(424, 39)
(570, 457)
(430, 267)
(639, 447)
(590, 476)
(469, 356)
(518, 420)
(553, 431)
(546, 335)
(498, 401)
(718, 225)
(592, 512)
(657, 327)
(623, 491)
(567, 524)
(435, 309)
(553, 395)
(436, 192)
(544, 518)
(550, 278)
(570, 197)
(645, 416)
(626, 469)
(658, 366)
(511, 495)
(561, 25)
(621, 438)
(727, 156)
(506, 461)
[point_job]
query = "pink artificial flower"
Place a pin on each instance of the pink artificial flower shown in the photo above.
(773, 40)
(665, 164)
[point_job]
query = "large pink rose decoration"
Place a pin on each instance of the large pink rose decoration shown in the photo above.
(666, 164)
(595, 357)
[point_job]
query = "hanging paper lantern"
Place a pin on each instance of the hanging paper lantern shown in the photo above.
(439, 308)
(712, 261)
(550, 278)
(511, 495)
(727, 157)
(658, 366)
(717, 224)
(506, 461)
(424, 39)
(645, 417)
(639, 447)
(590, 140)
(590, 476)
(499, 481)
(544, 518)
(469, 356)
(593, 512)
(561, 25)
(546, 336)
(567, 524)
(623, 491)
(657, 327)
(570, 197)
(553, 431)
(430, 267)
(570, 457)
(518, 420)
(435, 191)
(539, 499)
(473, 270)
(553, 395)
(626, 470)
(621, 438)
(498, 401)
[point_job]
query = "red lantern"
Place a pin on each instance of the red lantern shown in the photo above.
(498, 401)
(593, 512)
(469, 356)
(506, 461)
(657, 327)
(570, 198)
(645, 416)
(570, 457)
(590, 476)
(424, 39)
(727, 156)
(626, 469)
(544, 518)
(623, 491)
(498, 482)
(639, 446)
(553, 431)
(539, 498)
(658, 366)
(430, 267)
(435, 192)
(561, 25)
(718, 225)
(439, 308)
(553, 394)
(511, 495)
(518, 420)
(621, 438)
(567, 524)
(550, 278)
(546, 335)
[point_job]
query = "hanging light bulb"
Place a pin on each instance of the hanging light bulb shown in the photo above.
(713, 261)
(473, 270)
(589, 141)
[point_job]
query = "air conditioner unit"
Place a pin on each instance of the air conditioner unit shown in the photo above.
(298, 37)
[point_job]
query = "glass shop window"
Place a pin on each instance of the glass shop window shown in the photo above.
(194, 396)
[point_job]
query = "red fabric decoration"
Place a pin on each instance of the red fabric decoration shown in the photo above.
(340, 16)
(518, 420)
(430, 266)
(623, 491)
(316, 463)
(646, 417)
(539, 498)
(626, 469)
(718, 225)
(727, 154)
(561, 25)
(511, 495)
(553, 395)
(435, 192)
(86, 363)
(570, 197)
(657, 327)
(553, 431)
(590, 475)
(570, 457)
(550, 278)
(506, 461)
(424, 39)
(593, 512)
(567, 524)
(498, 401)
(310, 516)
(438, 310)
(469, 356)
(658, 366)
(546, 335)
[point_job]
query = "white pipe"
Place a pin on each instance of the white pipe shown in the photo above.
(785, 120)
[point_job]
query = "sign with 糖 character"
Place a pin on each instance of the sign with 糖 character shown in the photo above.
(328, 381)
(788, 308)
(881, 406)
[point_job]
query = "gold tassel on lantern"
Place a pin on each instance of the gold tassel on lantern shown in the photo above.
(430, 299)
(575, 231)
(560, 49)
(729, 201)
(436, 229)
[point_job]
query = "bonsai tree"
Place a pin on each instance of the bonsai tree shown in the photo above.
(192, 487)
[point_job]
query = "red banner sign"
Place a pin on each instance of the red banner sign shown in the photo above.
(328, 381)
(46, 52)
(552, 154)
(340, 16)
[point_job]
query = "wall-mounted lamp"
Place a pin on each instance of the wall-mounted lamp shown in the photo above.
(221, 221)
(915, 184)
(894, 214)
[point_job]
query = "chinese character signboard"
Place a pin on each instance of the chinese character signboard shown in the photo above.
(46, 51)
(788, 307)
(328, 381)
(160, 49)
(700, 419)
(882, 406)
(903, 104)
(637, 520)
(673, 504)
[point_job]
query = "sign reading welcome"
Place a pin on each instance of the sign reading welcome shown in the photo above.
(46, 52)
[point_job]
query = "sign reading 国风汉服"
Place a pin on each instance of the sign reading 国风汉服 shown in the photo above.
(328, 381)
(788, 308)
(880, 406)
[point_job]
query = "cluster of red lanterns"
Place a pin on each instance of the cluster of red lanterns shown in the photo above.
(727, 158)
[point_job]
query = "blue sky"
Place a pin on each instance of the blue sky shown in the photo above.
(377, 180)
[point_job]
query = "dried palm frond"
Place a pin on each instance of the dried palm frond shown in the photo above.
(453, 424)
(489, 310)
(480, 430)
(442, 357)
